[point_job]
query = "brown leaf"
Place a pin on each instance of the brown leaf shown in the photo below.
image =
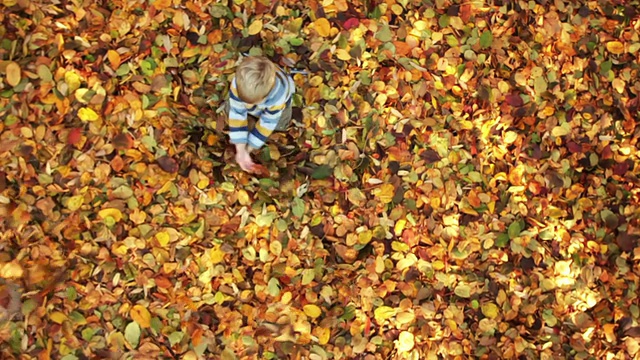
(3, 181)
(122, 141)
(627, 242)
(168, 164)
(430, 156)
(633, 332)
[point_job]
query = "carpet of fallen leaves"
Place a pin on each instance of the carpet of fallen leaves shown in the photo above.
(461, 181)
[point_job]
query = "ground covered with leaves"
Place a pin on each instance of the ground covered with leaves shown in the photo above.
(461, 181)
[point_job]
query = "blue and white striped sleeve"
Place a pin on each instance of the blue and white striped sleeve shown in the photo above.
(238, 129)
(265, 126)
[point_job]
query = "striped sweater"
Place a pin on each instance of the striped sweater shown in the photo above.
(268, 112)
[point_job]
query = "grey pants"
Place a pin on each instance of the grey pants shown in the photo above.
(285, 118)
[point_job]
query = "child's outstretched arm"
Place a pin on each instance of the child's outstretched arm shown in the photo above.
(238, 130)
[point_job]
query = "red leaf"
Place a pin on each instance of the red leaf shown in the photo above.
(621, 168)
(573, 147)
(351, 23)
(514, 100)
(74, 137)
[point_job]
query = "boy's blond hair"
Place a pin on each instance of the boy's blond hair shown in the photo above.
(255, 77)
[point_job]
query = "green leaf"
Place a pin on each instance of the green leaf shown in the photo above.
(540, 85)
(273, 288)
(443, 21)
(463, 291)
(349, 313)
(502, 240)
(28, 306)
(486, 39)
(87, 334)
(265, 220)
(514, 229)
(297, 207)
(307, 276)
(156, 324)
(296, 41)
(175, 337)
(321, 172)
(123, 70)
(132, 334)
(384, 34)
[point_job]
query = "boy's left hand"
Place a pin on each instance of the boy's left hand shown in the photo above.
(243, 158)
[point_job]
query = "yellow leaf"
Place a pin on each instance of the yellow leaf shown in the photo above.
(87, 114)
(114, 58)
(255, 27)
(405, 341)
(510, 137)
(420, 25)
(243, 197)
(383, 313)
(58, 317)
(560, 131)
(490, 310)
(13, 73)
(323, 334)
(323, 27)
(275, 247)
(190, 355)
(405, 317)
(615, 47)
(163, 238)
(75, 202)
(113, 212)
(399, 227)
(438, 265)
(191, 52)
(11, 270)
(216, 255)
(312, 311)
(80, 95)
(72, 80)
(385, 193)
(141, 315)
(619, 85)
(343, 55)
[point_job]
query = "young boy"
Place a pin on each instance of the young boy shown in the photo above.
(263, 90)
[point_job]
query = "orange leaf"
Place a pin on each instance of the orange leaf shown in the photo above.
(114, 58)
(402, 48)
(323, 27)
(161, 4)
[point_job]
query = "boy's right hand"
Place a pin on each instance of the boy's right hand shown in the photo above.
(243, 158)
